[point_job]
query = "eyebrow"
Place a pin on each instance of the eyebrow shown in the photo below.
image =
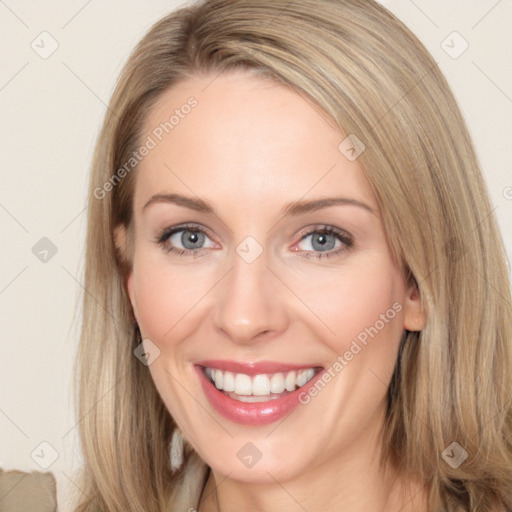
(198, 205)
(292, 209)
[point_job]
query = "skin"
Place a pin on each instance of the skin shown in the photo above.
(248, 148)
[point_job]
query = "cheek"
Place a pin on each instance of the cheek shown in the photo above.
(361, 306)
(167, 298)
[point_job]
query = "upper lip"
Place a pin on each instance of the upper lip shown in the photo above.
(254, 368)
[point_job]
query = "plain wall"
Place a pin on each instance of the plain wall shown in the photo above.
(51, 111)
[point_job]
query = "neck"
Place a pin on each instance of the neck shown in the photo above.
(350, 481)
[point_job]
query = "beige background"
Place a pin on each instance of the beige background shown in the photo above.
(51, 110)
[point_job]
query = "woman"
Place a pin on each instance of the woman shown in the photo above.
(297, 294)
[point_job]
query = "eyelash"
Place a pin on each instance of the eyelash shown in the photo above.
(345, 238)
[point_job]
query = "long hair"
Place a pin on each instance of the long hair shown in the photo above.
(450, 397)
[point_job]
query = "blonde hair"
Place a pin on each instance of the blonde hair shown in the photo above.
(373, 78)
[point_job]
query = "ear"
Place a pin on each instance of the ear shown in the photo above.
(414, 316)
(121, 243)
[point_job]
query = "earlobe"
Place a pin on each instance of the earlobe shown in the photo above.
(120, 242)
(414, 316)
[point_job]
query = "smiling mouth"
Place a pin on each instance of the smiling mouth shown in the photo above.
(260, 387)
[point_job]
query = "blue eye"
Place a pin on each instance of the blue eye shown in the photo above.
(184, 240)
(322, 241)
(325, 242)
(190, 240)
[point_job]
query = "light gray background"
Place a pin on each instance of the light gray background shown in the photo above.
(51, 110)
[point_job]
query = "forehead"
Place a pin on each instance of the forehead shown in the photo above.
(241, 136)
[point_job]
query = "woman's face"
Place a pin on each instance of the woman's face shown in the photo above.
(260, 260)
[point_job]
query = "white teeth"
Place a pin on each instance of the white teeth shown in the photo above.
(261, 385)
(304, 376)
(301, 379)
(229, 382)
(290, 381)
(277, 384)
(218, 377)
(243, 384)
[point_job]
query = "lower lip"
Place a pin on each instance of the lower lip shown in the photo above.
(253, 413)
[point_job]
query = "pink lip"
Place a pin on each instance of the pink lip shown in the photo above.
(255, 413)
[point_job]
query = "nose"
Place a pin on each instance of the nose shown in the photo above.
(250, 304)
